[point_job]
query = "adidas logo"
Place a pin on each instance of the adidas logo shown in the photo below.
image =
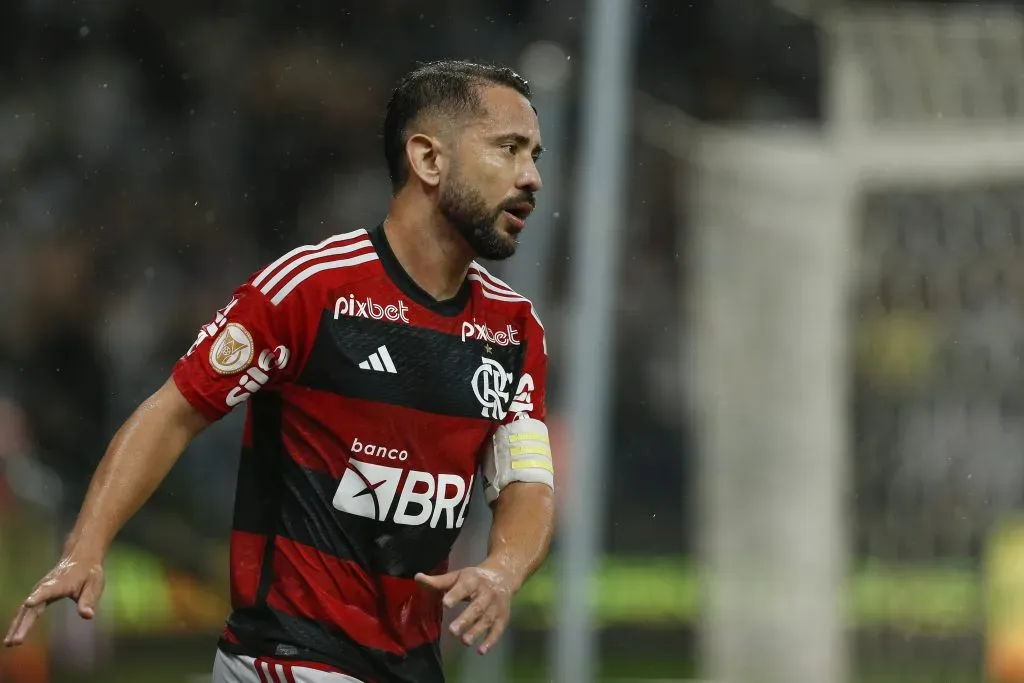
(380, 361)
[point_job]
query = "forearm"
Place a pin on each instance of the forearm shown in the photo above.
(138, 458)
(521, 530)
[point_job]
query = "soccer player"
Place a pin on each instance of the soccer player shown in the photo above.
(382, 372)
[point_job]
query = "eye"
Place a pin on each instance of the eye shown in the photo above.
(509, 147)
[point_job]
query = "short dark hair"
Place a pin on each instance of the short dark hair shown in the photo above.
(448, 87)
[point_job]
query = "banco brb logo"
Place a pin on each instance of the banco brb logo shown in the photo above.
(406, 497)
(490, 386)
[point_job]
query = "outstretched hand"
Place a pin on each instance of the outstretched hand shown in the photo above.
(489, 594)
(80, 580)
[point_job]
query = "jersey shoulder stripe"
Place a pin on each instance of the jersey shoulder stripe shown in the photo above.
(298, 263)
(287, 273)
(490, 291)
(269, 271)
(497, 290)
(329, 265)
(490, 283)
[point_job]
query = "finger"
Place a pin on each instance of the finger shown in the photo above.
(48, 592)
(89, 596)
(470, 615)
(462, 590)
(15, 625)
(439, 583)
(497, 629)
(23, 624)
(482, 626)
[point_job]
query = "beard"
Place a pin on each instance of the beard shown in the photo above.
(466, 209)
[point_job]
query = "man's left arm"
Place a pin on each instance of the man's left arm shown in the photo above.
(519, 484)
(521, 531)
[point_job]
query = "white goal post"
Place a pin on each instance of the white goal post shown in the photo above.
(923, 99)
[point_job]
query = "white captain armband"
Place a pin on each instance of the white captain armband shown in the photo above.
(519, 451)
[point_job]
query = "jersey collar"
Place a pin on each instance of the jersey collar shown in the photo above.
(401, 279)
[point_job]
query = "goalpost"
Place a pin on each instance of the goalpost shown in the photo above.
(799, 237)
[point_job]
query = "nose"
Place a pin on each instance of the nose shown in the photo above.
(529, 178)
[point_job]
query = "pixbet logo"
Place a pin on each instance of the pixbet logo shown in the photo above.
(355, 308)
(505, 337)
(256, 377)
(377, 451)
(406, 497)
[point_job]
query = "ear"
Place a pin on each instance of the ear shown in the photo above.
(426, 159)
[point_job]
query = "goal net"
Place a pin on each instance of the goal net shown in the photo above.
(856, 305)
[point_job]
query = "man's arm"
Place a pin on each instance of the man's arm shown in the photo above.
(521, 531)
(137, 460)
(254, 343)
(519, 480)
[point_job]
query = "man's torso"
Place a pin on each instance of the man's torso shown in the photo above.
(356, 472)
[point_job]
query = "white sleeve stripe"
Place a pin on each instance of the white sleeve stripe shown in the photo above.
(300, 250)
(489, 289)
(323, 253)
(499, 297)
(492, 292)
(503, 293)
(536, 317)
(495, 283)
(319, 268)
(514, 299)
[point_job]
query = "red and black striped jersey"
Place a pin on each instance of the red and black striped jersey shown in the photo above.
(368, 405)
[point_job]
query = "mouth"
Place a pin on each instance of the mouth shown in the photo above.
(518, 213)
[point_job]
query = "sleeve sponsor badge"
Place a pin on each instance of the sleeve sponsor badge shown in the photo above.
(232, 350)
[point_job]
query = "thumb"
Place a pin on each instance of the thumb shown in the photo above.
(89, 596)
(439, 583)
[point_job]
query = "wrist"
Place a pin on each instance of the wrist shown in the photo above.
(85, 551)
(510, 577)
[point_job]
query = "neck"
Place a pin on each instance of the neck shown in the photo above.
(434, 255)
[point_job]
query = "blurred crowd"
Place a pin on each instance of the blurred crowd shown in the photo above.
(153, 155)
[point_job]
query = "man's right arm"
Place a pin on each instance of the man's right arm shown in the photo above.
(139, 457)
(254, 343)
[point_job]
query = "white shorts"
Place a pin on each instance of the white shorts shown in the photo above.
(241, 669)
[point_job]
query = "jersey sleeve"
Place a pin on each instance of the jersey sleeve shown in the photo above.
(251, 345)
(530, 399)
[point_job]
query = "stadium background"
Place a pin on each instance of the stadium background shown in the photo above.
(152, 155)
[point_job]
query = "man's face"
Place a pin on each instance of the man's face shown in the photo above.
(490, 187)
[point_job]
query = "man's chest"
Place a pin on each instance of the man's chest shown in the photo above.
(388, 352)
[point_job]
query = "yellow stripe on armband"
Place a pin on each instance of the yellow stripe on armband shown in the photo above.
(533, 464)
(519, 451)
(516, 438)
(530, 450)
